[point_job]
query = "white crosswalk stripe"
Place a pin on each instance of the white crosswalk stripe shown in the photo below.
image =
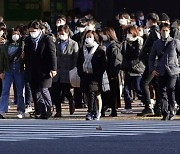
(19, 130)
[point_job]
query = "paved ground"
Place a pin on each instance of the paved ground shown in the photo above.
(89, 137)
(80, 114)
(71, 134)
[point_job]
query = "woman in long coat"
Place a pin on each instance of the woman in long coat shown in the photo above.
(91, 66)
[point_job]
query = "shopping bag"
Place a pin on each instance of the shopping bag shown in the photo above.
(74, 78)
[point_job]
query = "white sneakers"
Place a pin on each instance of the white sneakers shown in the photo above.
(28, 109)
(20, 115)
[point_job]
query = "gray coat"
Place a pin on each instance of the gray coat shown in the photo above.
(168, 62)
(66, 60)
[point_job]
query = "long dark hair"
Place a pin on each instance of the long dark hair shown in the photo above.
(111, 34)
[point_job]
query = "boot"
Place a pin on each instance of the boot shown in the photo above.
(71, 108)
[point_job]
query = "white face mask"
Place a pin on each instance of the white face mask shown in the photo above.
(76, 31)
(76, 20)
(15, 37)
(1, 33)
(165, 35)
(89, 28)
(60, 23)
(141, 33)
(123, 21)
(133, 23)
(81, 29)
(64, 37)
(129, 36)
(141, 18)
(89, 41)
(105, 38)
(34, 34)
(146, 31)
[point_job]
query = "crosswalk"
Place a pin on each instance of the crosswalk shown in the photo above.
(20, 130)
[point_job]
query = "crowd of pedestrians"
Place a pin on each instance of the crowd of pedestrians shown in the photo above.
(132, 57)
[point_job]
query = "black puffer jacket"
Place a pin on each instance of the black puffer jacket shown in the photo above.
(153, 36)
(131, 51)
(114, 59)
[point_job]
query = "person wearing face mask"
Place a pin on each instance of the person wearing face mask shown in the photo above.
(148, 78)
(60, 21)
(90, 25)
(130, 50)
(40, 66)
(113, 68)
(140, 20)
(79, 38)
(124, 21)
(81, 27)
(12, 70)
(166, 69)
(67, 51)
(91, 66)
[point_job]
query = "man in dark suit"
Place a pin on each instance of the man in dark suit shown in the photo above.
(40, 66)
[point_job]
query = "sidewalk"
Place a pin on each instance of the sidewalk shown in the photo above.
(80, 114)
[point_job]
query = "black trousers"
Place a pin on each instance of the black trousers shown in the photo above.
(115, 101)
(177, 91)
(145, 81)
(43, 99)
(167, 93)
(78, 99)
(28, 94)
(0, 87)
(91, 98)
(105, 96)
(58, 91)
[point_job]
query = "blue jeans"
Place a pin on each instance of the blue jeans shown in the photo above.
(128, 80)
(14, 75)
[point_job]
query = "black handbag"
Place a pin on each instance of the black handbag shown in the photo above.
(177, 90)
(138, 67)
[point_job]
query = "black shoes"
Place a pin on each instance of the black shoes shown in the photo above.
(89, 116)
(157, 111)
(71, 108)
(113, 113)
(146, 112)
(47, 115)
(1, 116)
(58, 114)
(168, 118)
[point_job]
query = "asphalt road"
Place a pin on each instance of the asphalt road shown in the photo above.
(89, 137)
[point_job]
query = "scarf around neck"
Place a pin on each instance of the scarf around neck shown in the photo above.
(36, 40)
(87, 65)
